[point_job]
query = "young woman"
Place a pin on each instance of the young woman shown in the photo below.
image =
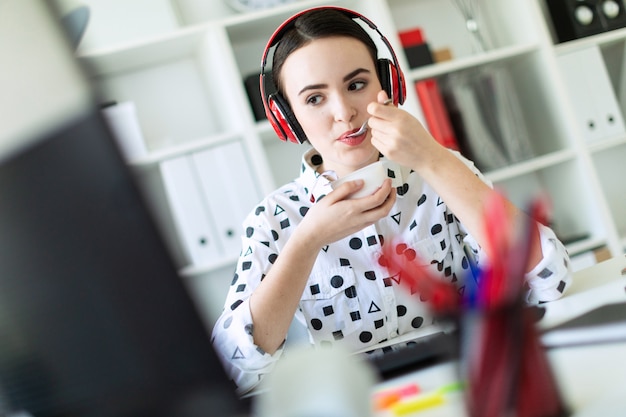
(311, 252)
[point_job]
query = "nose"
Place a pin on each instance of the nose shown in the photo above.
(344, 109)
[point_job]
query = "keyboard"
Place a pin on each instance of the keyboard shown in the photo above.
(414, 354)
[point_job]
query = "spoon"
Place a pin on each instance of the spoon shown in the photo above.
(363, 127)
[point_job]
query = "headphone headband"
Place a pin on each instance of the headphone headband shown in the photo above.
(276, 107)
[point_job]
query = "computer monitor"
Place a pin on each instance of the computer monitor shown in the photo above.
(94, 320)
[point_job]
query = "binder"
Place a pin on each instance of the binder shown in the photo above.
(196, 234)
(435, 113)
(591, 92)
(229, 190)
(479, 143)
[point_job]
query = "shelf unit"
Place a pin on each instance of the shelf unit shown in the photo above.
(182, 62)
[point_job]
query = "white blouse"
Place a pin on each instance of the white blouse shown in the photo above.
(350, 299)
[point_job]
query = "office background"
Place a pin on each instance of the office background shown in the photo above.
(179, 72)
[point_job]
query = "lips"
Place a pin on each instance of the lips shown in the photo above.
(352, 141)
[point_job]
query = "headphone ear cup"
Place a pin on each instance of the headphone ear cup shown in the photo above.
(283, 120)
(392, 80)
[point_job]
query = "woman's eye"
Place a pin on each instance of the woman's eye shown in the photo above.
(357, 85)
(314, 100)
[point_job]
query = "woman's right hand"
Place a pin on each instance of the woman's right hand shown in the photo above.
(336, 216)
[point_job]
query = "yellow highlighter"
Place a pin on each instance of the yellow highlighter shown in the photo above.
(419, 403)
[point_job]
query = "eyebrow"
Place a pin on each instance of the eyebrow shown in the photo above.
(345, 78)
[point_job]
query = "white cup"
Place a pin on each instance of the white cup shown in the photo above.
(373, 176)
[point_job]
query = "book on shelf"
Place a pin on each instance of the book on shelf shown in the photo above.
(435, 112)
(486, 117)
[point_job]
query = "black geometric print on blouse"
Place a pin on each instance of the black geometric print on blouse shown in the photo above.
(338, 335)
(241, 288)
(249, 231)
(379, 323)
(238, 354)
(450, 218)
(370, 275)
(403, 189)
(249, 329)
(325, 248)
(396, 217)
(545, 273)
(447, 271)
(401, 310)
(249, 251)
(246, 265)
(437, 228)
(328, 311)
(373, 308)
(351, 292)
(391, 173)
(344, 262)
(413, 225)
(317, 160)
(294, 198)
(272, 258)
(315, 289)
(316, 324)
(259, 210)
(365, 337)
(381, 239)
(371, 240)
(278, 210)
(228, 322)
(387, 282)
(284, 224)
(336, 281)
(355, 315)
(303, 211)
(235, 278)
(417, 322)
(561, 286)
(422, 200)
(356, 243)
(396, 278)
(236, 304)
(439, 201)
(275, 235)
(459, 238)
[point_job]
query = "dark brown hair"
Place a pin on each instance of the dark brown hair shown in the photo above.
(316, 24)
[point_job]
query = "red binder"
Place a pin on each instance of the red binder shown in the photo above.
(435, 113)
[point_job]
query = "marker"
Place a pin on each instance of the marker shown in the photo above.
(387, 398)
(425, 401)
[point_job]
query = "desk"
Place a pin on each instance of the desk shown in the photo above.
(592, 378)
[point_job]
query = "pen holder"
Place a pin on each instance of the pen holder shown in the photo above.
(505, 367)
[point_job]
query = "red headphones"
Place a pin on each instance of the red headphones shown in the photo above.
(276, 106)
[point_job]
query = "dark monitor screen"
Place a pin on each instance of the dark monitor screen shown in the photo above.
(94, 320)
